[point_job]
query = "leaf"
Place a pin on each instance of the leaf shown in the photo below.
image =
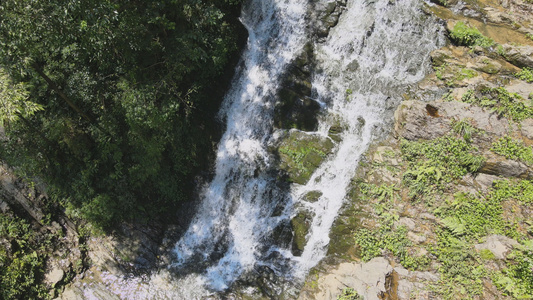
(455, 224)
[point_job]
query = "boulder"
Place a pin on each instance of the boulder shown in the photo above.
(499, 245)
(420, 120)
(501, 166)
(367, 279)
(300, 228)
(521, 56)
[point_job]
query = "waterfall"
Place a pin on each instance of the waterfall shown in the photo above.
(375, 52)
(235, 216)
(368, 61)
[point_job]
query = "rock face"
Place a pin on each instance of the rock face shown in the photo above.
(521, 56)
(499, 245)
(459, 72)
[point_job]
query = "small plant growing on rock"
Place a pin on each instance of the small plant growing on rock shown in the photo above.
(465, 35)
(526, 74)
(514, 150)
(500, 101)
(349, 294)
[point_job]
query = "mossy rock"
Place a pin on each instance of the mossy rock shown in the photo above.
(312, 196)
(301, 154)
(300, 228)
(335, 131)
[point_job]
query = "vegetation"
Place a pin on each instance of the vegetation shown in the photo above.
(465, 35)
(430, 171)
(500, 101)
(349, 294)
(526, 74)
(109, 103)
(22, 259)
(432, 164)
(512, 149)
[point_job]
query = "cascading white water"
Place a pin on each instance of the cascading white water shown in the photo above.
(236, 211)
(376, 50)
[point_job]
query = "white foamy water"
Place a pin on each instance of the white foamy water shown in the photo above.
(375, 52)
(235, 216)
(378, 48)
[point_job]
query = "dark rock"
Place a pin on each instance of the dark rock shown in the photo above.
(300, 227)
(295, 108)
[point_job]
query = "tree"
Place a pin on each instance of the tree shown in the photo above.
(125, 88)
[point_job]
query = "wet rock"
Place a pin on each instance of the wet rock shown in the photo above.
(312, 196)
(327, 13)
(295, 108)
(499, 245)
(335, 132)
(301, 153)
(300, 227)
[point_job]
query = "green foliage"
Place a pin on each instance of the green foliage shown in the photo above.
(14, 102)
(130, 90)
(432, 164)
(472, 217)
(513, 149)
(526, 74)
(464, 129)
(21, 265)
(500, 101)
(372, 242)
(516, 279)
(452, 73)
(465, 35)
(349, 294)
(521, 190)
(460, 268)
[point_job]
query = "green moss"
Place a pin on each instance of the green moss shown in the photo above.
(300, 228)
(301, 154)
(465, 35)
(513, 149)
(486, 254)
